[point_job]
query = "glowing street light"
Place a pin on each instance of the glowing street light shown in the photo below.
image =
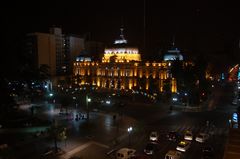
(87, 101)
(129, 133)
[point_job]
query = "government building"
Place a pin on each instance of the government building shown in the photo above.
(121, 68)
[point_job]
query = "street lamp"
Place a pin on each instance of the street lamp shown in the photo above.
(87, 101)
(129, 133)
(50, 94)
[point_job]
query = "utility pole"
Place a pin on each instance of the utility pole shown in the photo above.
(87, 105)
(129, 135)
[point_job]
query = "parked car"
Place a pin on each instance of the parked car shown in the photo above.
(154, 136)
(207, 152)
(150, 149)
(183, 146)
(3, 146)
(173, 136)
(188, 135)
(202, 137)
(125, 153)
(235, 101)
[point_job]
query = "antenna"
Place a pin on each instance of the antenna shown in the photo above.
(122, 22)
(144, 25)
(121, 28)
(173, 42)
(121, 34)
(122, 40)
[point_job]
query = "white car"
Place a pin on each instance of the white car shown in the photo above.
(202, 137)
(183, 146)
(153, 136)
(125, 153)
(235, 101)
(188, 135)
(150, 148)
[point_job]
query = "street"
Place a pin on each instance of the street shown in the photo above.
(103, 134)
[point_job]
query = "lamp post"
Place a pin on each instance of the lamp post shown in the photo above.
(87, 101)
(129, 134)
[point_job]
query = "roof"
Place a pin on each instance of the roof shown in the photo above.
(123, 45)
(184, 142)
(172, 152)
(122, 150)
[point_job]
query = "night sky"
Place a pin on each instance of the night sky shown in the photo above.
(200, 28)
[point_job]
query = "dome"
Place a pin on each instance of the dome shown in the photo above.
(121, 51)
(84, 56)
(173, 54)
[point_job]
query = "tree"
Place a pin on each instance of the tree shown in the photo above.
(177, 73)
(142, 82)
(167, 89)
(203, 84)
(153, 85)
(65, 101)
(57, 132)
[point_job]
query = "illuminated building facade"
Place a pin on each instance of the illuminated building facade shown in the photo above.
(121, 68)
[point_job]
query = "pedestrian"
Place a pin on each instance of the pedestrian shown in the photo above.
(207, 123)
(76, 118)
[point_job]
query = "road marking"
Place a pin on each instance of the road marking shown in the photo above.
(77, 149)
(101, 145)
(82, 147)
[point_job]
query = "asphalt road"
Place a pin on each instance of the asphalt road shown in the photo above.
(112, 134)
(193, 121)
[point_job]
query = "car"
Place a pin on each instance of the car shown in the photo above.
(153, 136)
(3, 146)
(183, 145)
(173, 136)
(125, 153)
(188, 135)
(235, 101)
(172, 154)
(202, 137)
(207, 152)
(150, 149)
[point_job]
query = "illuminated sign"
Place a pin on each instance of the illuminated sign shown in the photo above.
(122, 41)
(239, 73)
(174, 99)
(222, 76)
(235, 117)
